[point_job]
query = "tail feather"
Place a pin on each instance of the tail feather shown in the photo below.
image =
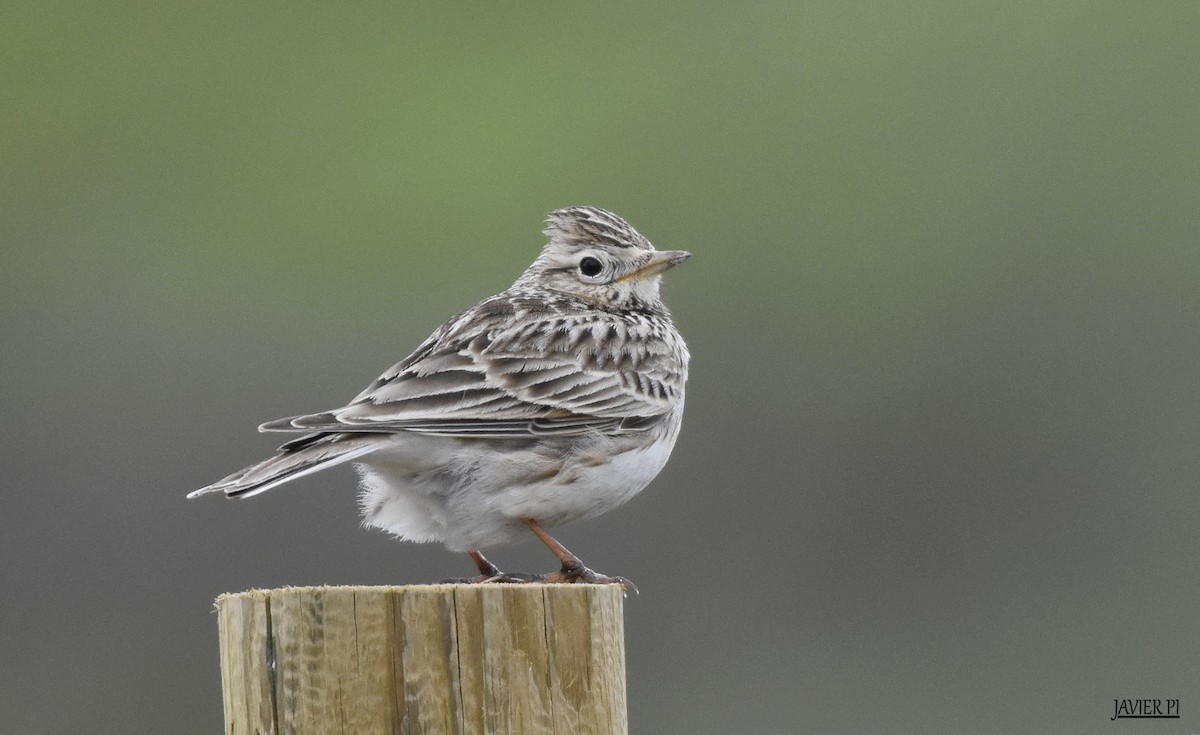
(295, 459)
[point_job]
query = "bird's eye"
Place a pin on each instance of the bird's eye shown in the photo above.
(590, 267)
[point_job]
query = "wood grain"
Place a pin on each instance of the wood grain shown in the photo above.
(462, 659)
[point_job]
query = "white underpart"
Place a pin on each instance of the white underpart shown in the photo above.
(470, 496)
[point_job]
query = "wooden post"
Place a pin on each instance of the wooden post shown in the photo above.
(454, 658)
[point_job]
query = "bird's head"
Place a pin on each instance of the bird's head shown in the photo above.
(595, 255)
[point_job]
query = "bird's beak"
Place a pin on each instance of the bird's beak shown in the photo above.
(658, 263)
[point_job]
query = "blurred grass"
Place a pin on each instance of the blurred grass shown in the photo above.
(870, 158)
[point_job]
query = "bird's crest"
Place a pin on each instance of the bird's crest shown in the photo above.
(582, 225)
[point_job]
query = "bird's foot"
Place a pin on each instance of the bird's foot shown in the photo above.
(498, 578)
(489, 573)
(577, 572)
(572, 570)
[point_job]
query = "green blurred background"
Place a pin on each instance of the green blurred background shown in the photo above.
(939, 467)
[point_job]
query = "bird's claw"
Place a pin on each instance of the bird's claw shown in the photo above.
(572, 569)
(562, 576)
(498, 578)
(573, 573)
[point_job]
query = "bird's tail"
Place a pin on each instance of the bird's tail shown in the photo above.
(297, 458)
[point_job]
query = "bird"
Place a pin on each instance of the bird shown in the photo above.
(552, 402)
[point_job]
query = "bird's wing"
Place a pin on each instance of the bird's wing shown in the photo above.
(499, 369)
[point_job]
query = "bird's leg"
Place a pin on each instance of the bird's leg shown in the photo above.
(489, 572)
(573, 569)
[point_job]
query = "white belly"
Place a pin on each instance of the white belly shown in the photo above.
(471, 494)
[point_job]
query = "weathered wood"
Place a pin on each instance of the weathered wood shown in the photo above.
(454, 659)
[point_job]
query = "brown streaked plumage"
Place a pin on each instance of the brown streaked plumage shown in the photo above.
(554, 401)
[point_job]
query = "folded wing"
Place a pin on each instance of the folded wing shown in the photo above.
(488, 374)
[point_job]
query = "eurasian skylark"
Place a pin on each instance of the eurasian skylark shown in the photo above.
(554, 401)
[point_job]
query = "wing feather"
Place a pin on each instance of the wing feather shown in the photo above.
(496, 370)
